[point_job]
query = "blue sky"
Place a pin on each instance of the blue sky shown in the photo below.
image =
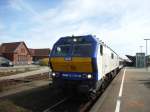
(121, 24)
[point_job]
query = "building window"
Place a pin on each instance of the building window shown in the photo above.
(22, 50)
(112, 56)
(101, 50)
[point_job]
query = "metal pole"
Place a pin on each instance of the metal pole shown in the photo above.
(146, 47)
(146, 53)
(141, 48)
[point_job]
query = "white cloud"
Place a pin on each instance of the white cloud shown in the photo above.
(121, 24)
(21, 5)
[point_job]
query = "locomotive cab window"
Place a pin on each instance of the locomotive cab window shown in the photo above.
(61, 50)
(101, 50)
(112, 56)
(82, 50)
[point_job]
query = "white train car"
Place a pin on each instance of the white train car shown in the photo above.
(107, 63)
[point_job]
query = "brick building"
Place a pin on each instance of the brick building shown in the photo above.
(38, 54)
(17, 52)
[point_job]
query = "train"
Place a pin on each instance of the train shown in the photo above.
(83, 63)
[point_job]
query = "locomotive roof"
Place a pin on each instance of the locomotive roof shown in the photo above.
(79, 39)
(102, 43)
(82, 39)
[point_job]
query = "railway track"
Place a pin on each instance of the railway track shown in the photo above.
(73, 104)
(50, 99)
(68, 104)
(53, 107)
(76, 103)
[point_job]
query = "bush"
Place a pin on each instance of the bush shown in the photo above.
(44, 62)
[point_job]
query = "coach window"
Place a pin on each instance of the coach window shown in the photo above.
(112, 56)
(101, 49)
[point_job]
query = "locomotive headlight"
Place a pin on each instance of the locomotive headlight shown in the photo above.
(53, 74)
(74, 40)
(89, 76)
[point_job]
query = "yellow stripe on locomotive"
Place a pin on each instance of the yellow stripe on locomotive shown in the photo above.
(76, 64)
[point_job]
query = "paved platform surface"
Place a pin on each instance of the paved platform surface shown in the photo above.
(128, 92)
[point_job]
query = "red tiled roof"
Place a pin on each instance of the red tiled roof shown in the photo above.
(9, 47)
(39, 52)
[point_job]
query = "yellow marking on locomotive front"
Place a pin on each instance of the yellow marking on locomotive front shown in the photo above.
(76, 64)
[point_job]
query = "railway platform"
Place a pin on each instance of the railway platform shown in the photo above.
(128, 92)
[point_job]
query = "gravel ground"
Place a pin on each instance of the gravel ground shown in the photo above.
(12, 83)
(8, 106)
(35, 100)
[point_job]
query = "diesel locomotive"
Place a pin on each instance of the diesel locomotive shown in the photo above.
(83, 63)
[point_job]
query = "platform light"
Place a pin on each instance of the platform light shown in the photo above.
(147, 39)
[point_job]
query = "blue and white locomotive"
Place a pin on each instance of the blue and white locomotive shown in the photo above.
(83, 63)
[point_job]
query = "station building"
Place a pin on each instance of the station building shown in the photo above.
(38, 54)
(140, 60)
(19, 54)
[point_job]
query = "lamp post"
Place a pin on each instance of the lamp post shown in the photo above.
(146, 51)
(141, 48)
